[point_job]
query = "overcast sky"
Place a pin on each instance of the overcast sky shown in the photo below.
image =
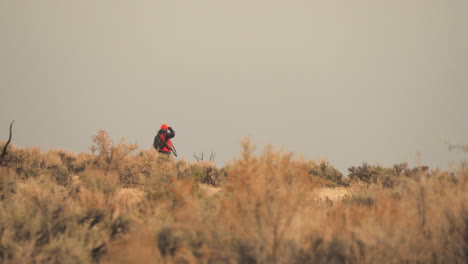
(353, 81)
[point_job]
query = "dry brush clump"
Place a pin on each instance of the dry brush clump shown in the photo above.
(120, 204)
(327, 175)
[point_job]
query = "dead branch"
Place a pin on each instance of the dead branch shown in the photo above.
(212, 156)
(5, 152)
(199, 157)
(462, 147)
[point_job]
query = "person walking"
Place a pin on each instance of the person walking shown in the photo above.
(162, 141)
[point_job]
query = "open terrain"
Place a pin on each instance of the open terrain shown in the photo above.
(119, 204)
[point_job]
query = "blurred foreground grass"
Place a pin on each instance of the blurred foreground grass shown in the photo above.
(119, 204)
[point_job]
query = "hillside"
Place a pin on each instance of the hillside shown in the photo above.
(120, 204)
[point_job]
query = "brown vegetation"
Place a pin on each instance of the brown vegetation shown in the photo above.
(119, 204)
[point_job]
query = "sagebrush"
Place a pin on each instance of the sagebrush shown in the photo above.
(120, 204)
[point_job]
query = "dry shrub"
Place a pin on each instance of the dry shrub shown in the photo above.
(263, 197)
(8, 183)
(205, 172)
(110, 156)
(329, 176)
(115, 206)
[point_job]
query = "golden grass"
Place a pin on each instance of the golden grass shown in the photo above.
(121, 205)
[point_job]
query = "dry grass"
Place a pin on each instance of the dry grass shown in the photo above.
(121, 205)
(333, 194)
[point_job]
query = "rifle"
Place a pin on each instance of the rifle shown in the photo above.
(174, 151)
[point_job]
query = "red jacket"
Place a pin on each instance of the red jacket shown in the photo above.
(165, 137)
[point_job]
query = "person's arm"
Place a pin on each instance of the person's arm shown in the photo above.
(171, 133)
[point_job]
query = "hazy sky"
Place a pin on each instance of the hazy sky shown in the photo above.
(354, 81)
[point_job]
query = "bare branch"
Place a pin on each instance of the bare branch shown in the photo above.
(199, 157)
(212, 156)
(462, 147)
(4, 152)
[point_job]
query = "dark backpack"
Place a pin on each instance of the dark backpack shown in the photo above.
(159, 141)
